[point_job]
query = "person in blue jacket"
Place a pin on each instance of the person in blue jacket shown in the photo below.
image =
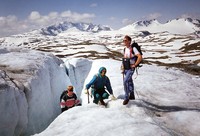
(98, 84)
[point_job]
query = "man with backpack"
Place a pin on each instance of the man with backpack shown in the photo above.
(98, 84)
(68, 99)
(132, 58)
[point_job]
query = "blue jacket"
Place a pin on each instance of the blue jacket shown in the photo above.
(99, 82)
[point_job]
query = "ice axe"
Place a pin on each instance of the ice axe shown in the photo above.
(88, 96)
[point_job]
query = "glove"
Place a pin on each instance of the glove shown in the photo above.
(112, 97)
(86, 91)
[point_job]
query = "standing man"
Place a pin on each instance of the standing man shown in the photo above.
(132, 58)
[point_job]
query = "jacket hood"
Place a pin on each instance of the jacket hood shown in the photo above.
(101, 69)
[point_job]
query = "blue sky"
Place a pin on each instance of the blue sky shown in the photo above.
(23, 15)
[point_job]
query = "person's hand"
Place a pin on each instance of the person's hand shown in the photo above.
(112, 97)
(133, 66)
(86, 91)
(122, 69)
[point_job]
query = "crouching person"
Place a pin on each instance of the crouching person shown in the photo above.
(98, 84)
(68, 99)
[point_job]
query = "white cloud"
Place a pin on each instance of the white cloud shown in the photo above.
(153, 16)
(2, 21)
(53, 15)
(127, 21)
(76, 17)
(185, 16)
(34, 15)
(66, 14)
(38, 20)
(10, 25)
(8, 21)
(193, 15)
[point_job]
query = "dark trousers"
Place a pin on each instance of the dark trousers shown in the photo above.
(99, 94)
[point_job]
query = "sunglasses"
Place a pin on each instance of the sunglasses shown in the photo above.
(125, 40)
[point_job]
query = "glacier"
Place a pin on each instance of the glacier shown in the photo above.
(30, 85)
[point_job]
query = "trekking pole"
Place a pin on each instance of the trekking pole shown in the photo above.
(123, 78)
(136, 70)
(137, 94)
(123, 75)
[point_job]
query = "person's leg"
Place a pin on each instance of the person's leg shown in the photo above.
(105, 95)
(64, 109)
(127, 85)
(96, 96)
(131, 89)
(132, 96)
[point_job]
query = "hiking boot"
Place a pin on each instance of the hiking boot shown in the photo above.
(132, 96)
(102, 102)
(125, 101)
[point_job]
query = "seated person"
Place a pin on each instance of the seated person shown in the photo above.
(68, 99)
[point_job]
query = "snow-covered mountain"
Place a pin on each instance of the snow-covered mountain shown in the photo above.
(53, 30)
(176, 41)
(176, 26)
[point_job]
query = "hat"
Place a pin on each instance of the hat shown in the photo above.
(70, 88)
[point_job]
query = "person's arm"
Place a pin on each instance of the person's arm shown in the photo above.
(108, 86)
(139, 59)
(91, 82)
(77, 102)
(62, 103)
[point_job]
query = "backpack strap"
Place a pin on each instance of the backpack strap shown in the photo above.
(63, 94)
(131, 52)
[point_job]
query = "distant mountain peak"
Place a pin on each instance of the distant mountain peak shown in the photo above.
(64, 26)
(174, 26)
(191, 20)
(145, 22)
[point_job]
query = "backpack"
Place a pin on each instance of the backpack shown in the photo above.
(134, 44)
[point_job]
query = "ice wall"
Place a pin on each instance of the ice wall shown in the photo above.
(13, 107)
(78, 70)
(30, 86)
